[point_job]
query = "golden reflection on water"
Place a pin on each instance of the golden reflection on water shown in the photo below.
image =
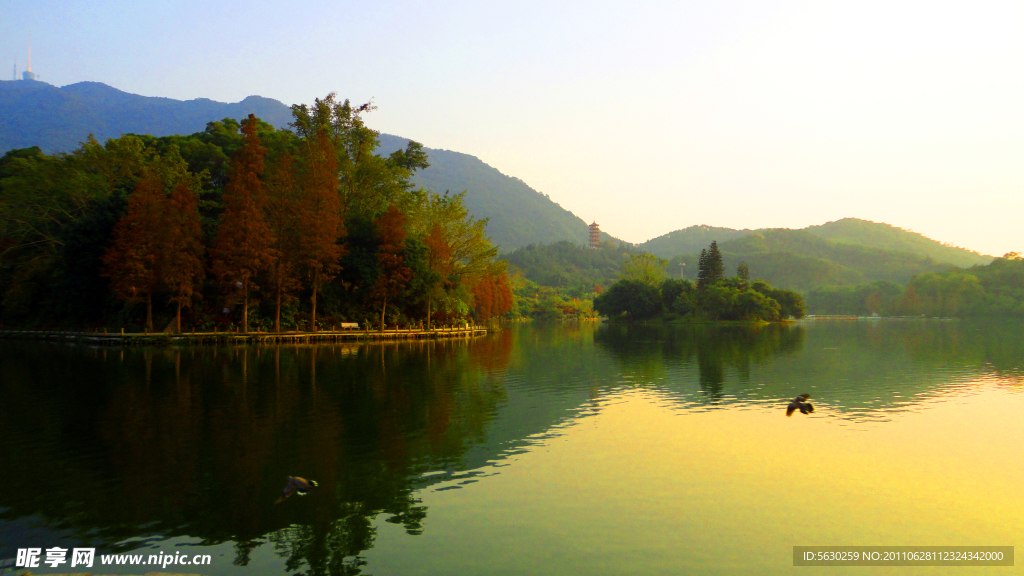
(644, 487)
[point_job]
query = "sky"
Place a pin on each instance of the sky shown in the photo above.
(646, 117)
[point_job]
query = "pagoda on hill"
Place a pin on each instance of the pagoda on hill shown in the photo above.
(595, 235)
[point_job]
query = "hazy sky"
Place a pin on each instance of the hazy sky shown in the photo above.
(645, 116)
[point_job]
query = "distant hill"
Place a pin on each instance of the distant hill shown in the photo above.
(849, 231)
(800, 260)
(879, 235)
(519, 215)
(58, 119)
(688, 240)
(791, 259)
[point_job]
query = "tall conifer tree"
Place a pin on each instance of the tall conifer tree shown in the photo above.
(283, 219)
(710, 268)
(438, 265)
(243, 246)
(182, 251)
(743, 271)
(133, 260)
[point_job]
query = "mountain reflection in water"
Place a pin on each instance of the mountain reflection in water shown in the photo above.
(124, 448)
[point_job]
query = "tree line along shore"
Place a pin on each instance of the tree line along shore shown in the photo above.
(250, 228)
(241, 227)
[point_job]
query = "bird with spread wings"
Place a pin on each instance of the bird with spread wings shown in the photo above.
(296, 484)
(800, 403)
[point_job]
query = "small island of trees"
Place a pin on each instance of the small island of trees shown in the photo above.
(644, 292)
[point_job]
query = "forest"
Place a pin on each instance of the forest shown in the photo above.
(564, 280)
(993, 290)
(241, 226)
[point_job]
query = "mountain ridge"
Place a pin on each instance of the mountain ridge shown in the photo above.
(59, 119)
(850, 231)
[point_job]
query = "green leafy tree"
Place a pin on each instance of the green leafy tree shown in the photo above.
(752, 305)
(635, 298)
(790, 303)
(367, 183)
(718, 302)
(460, 251)
(320, 224)
(645, 268)
(673, 290)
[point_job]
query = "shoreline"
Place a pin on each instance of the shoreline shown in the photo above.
(166, 339)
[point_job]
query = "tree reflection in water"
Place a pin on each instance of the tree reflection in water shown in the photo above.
(197, 441)
(645, 351)
(112, 446)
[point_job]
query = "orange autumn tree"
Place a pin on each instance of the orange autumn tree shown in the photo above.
(483, 299)
(133, 260)
(438, 266)
(492, 295)
(243, 245)
(181, 266)
(394, 274)
(319, 219)
(282, 217)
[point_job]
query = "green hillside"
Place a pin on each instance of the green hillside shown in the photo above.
(688, 240)
(519, 215)
(800, 260)
(848, 231)
(570, 266)
(880, 235)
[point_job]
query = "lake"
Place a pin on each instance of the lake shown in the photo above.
(541, 449)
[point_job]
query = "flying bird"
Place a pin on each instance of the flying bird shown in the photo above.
(800, 403)
(296, 484)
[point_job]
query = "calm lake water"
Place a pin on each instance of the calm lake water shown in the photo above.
(582, 449)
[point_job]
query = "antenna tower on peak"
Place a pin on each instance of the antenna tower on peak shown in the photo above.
(28, 74)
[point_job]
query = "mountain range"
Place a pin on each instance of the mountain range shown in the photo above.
(57, 119)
